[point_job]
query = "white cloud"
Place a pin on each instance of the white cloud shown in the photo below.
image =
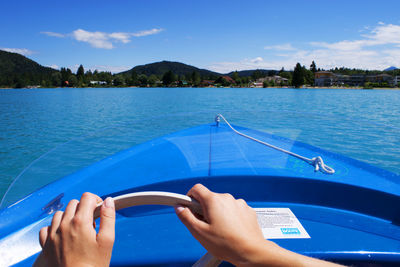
(342, 45)
(95, 39)
(112, 69)
(54, 34)
(385, 34)
(147, 32)
(365, 59)
(245, 64)
(381, 35)
(120, 36)
(54, 66)
(22, 51)
(103, 40)
(378, 49)
(257, 60)
(280, 47)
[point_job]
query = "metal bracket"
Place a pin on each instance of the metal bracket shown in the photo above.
(217, 120)
(54, 204)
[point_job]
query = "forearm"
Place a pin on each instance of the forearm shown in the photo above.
(270, 254)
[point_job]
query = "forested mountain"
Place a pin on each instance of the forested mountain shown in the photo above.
(180, 69)
(391, 68)
(19, 71)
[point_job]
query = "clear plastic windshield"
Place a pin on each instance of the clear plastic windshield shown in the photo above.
(354, 137)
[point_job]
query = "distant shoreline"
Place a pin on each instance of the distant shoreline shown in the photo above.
(355, 88)
(310, 88)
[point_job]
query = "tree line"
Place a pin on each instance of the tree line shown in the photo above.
(66, 78)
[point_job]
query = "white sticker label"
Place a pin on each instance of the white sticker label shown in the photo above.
(278, 223)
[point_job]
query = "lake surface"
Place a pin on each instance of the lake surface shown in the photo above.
(97, 122)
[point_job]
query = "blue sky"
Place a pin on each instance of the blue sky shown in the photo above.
(218, 35)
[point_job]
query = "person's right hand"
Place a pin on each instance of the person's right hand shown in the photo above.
(229, 229)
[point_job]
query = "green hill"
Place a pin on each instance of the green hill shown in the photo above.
(19, 71)
(159, 68)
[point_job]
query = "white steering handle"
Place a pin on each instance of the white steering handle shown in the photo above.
(161, 198)
(152, 198)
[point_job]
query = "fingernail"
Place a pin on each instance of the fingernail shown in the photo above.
(109, 202)
(179, 209)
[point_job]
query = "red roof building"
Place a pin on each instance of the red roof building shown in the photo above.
(229, 79)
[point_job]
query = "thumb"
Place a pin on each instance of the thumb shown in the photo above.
(190, 220)
(106, 234)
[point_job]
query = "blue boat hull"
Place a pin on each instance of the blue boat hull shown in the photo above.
(351, 216)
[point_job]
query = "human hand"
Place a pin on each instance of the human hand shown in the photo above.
(229, 229)
(71, 239)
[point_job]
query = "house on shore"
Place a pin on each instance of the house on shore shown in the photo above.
(207, 83)
(183, 83)
(229, 79)
(396, 81)
(328, 78)
(98, 82)
(257, 84)
(385, 78)
(357, 80)
(276, 79)
(324, 78)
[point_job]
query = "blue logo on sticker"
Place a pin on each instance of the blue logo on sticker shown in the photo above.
(290, 231)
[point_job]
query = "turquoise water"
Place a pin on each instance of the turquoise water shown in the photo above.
(96, 122)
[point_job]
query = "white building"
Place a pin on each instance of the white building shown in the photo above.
(396, 80)
(98, 82)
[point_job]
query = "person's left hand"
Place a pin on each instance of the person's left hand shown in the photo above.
(71, 239)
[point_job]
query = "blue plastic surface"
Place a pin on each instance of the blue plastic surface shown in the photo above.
(351, 216)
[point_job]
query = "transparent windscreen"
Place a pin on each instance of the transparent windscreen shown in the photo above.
(356, 137)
